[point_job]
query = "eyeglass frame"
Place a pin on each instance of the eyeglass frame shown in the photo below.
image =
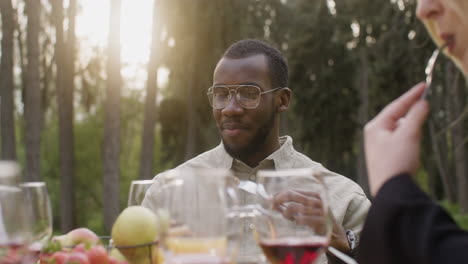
(210, 92)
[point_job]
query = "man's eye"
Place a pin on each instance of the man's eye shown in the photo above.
(250, 95)
(221, 94)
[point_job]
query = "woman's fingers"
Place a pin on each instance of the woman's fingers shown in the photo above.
(399, 107)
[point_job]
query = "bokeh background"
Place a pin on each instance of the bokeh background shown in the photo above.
(97, 93)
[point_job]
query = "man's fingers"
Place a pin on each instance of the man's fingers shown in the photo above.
(315, 222)
(311, 199)
(400, 106)
(292, 209)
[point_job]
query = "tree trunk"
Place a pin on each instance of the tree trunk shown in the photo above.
(6, 82)
(32, 106)
(456, 95)
(191, 85)
(47, 65)
(112, 120)
(363, 117)
(65, 112)
(67, 166)
(191, 123)
(22, 60)
(147, 139)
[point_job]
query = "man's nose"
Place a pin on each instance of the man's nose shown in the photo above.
(232, 106)
(428, 9)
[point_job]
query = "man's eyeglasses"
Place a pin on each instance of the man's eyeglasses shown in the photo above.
(247, 96)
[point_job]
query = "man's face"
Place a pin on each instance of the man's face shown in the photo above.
(245, 131)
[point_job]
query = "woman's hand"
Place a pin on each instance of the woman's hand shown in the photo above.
(392, 138)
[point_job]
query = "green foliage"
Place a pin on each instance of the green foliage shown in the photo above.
(329, 65)
(422, 179)
(454, 211)
(88, 172)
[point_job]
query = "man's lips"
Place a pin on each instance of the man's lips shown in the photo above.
(232, 128)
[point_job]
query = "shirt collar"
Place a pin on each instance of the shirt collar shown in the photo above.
(282, 157)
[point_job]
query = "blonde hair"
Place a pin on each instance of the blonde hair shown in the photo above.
(461, 8)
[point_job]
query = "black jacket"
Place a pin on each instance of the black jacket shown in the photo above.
(405, 226)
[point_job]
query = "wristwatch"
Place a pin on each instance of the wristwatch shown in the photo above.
(352, 240)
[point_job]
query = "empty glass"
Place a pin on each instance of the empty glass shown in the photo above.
(9, 172)
(15, 225)
(38, 202)
(137, 191)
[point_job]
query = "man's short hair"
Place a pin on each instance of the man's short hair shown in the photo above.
(278, 68)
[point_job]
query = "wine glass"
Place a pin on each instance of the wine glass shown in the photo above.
(293, 223)
(201, 206)
(137, 191)
(15, 225)
(9, 172)
(38, 202)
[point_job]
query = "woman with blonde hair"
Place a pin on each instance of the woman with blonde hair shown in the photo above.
(404, 225)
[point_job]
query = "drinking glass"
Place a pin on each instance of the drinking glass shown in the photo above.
(293, 223)
(15, 226)
(38, 202)
(9, 172)
(201, 206)
(137, 191)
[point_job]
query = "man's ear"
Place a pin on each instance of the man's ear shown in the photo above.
(283, 99)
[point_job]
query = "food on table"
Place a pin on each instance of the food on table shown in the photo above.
(80, 254)
(133, 232)
(78, 236)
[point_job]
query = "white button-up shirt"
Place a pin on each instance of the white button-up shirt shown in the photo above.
(348, 202)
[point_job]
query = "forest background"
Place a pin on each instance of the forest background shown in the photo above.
(88, 119)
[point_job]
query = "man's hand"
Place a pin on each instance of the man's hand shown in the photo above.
(338, 238)
(306, 208)
(392, 138)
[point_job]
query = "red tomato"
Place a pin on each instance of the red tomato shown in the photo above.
(98, 255)
(79, 248)
(59, 257)
(78, 258)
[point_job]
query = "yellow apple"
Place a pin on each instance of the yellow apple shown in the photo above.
(115, 253)
(135, 226)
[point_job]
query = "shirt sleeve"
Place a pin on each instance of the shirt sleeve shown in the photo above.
(405, 226)
(348, 202)
(356, 213)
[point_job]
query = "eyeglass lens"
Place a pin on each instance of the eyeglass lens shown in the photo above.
(246, 96)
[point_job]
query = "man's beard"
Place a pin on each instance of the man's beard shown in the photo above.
(255, 144)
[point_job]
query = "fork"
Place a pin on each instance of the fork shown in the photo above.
(430, 69)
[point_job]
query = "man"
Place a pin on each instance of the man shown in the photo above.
(250, 90)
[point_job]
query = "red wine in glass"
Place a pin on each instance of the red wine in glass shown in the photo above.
(293, 250)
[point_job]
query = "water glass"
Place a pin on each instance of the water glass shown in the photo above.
(15, 225)
(38, 202)
(137, 191)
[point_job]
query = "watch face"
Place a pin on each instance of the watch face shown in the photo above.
(352, 239)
